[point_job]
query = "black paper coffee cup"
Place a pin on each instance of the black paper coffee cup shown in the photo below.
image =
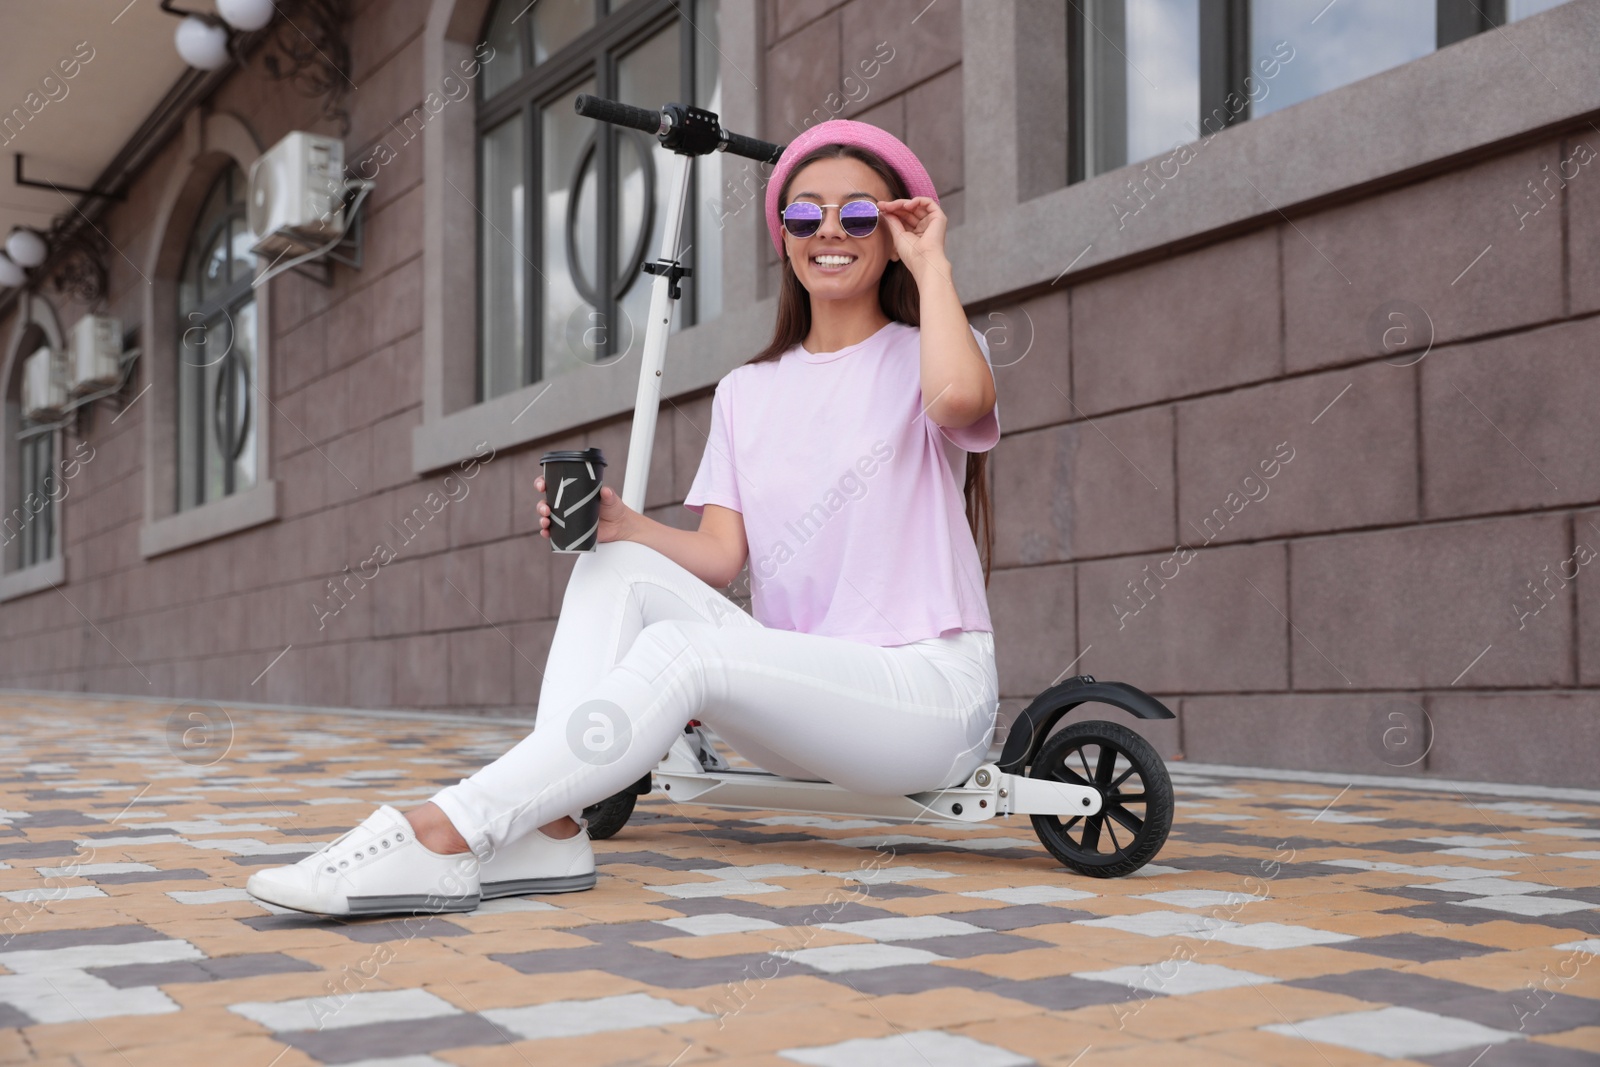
(572, 489)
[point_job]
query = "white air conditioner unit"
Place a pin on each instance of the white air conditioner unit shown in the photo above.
(297, 192)
(44, 393)
(95, 353)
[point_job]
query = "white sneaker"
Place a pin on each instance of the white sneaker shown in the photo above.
(537, 863)
(376, 867)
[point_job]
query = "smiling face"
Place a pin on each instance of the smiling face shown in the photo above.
(831, 264)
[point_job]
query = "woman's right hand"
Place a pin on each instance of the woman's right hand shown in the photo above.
(616, 518)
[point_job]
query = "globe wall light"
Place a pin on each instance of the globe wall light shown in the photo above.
(246, 15)
(202, 44)
(26, 248)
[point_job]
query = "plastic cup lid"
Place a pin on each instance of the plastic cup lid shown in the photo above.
(573, 455)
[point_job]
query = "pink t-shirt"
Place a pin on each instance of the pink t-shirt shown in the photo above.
(851, 495)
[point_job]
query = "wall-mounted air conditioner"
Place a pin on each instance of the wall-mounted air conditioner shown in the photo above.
(95, 353)
(44, 391)
(297, 191)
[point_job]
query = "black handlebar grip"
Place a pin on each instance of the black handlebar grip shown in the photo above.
(618, 114)
(751, 148)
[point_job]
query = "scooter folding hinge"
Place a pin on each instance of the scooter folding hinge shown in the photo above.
(673, 270)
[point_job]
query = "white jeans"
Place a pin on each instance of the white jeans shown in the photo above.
(642, 646)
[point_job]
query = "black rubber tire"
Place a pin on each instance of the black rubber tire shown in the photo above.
(1111, 743)
(610, 815)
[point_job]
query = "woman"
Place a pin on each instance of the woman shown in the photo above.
(832, 463)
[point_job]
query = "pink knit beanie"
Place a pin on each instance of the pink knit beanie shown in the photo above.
(885, 145)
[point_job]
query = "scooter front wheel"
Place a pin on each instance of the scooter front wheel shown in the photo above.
(1135, 792)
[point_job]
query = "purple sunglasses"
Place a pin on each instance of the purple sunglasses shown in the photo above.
(858, 218)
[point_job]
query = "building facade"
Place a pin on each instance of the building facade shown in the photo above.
(1292, 310)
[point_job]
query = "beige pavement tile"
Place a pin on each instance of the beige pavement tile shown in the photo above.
(1265, 1047)
(129, 1032)
(1172, 1018)
(944, 1008)
(744, 1033)
(1585, 1039)
(204, 1052)
(1050, 1037)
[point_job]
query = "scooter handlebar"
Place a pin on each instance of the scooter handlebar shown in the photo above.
(751, 148)
(617, 113)
(680, 128)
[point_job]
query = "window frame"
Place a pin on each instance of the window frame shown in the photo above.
(36, 324)
(207, 144)
(228, 304)
(595, 53)
(1224, 62)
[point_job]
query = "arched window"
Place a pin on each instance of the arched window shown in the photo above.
(569, 209)
(217, 350)
(28, 527)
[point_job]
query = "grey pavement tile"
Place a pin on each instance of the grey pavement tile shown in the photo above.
(276, 801)
(38, 850)
(93, 935)
(653, 859)
(272, 860)
(50, 818)
(900, 890)
(126, 877)
(607, 958)
(128, 831)
(400, 929)
(753, 837)
(911, 978)
(1246, 866)
(298, 920)
(1513, 1054)
(647, 965)
(623, 933)
(1431, 896)
(53, 794)
(1401, 988)
(784, 915)
(392, 1038)
(13, 1018)
(1213, 834)
(252, 964)
(129, 975)
(1585, 923)
(965, 946)
(1415, 947)
(1524, 1010)
(1588, 894)
(1019, 916)
(1062, 992)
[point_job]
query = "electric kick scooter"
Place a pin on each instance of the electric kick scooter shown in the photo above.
(1098, 794)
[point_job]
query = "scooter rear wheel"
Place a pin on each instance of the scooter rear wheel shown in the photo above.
(1135, 791)
(607, 816)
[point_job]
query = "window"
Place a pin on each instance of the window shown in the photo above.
(569, 209)
(28, 527)
(217, 350)
(1146, 76)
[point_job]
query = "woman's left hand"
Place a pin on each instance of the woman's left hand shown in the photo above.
(917, 226)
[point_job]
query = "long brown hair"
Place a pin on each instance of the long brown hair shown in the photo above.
(900, 302)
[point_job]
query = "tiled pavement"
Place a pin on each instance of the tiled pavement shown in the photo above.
(1287, 921)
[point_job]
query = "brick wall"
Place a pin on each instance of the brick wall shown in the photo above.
(1380, 567)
